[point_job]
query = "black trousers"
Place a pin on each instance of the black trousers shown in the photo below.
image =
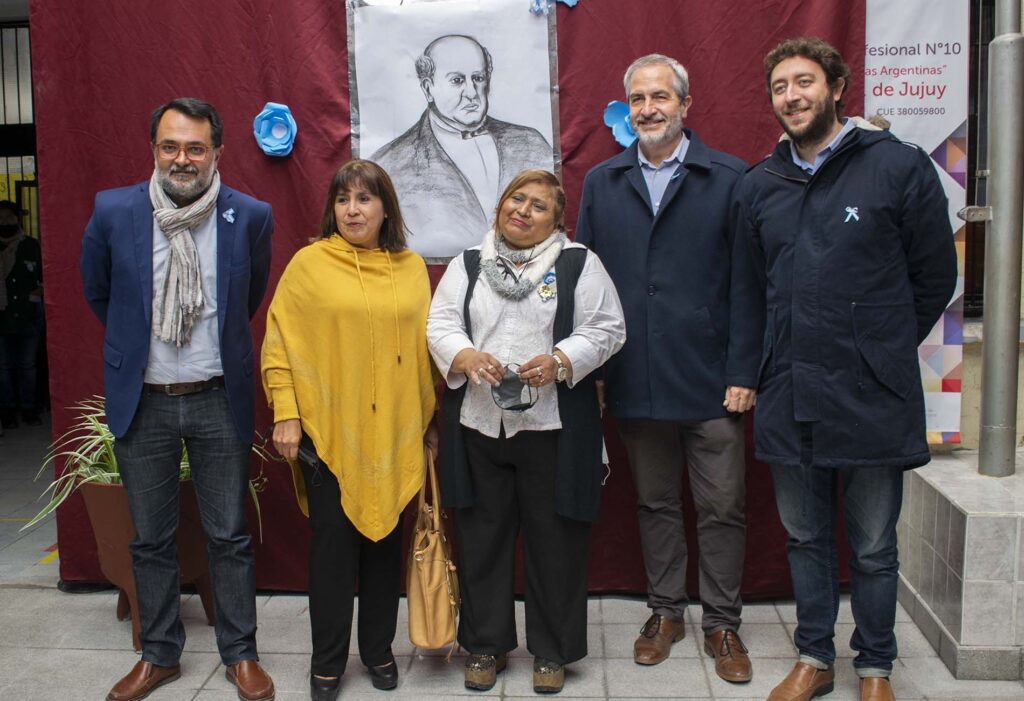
(339, 555)
(513, 482)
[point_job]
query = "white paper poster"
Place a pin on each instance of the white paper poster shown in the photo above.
(453, 98)
(916, 77)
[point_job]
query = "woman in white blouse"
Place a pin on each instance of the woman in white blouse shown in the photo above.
(517, 326)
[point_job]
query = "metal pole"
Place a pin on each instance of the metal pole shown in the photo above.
(1001, 331)
(1007, 19)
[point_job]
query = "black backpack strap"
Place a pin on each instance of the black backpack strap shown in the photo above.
(471, 259)
(456, 489)
(568, 269)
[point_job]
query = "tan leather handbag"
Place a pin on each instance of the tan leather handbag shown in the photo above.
(432, 587)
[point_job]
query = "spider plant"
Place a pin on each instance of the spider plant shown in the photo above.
(87, 451)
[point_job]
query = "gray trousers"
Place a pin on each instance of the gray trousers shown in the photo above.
(714, 455)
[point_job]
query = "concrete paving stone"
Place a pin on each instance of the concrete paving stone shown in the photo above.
(935, 681)
(584, 678)
(759, 613)
(285, 606)
(87, 674)
(619, 639)
(434, 676)
(616, 609)
(762, 640)
(768, 672)
(676, 677)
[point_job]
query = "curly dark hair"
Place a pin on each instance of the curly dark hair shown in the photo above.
(814, 49)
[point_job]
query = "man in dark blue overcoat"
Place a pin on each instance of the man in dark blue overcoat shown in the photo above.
(850, 230)
(658, 216)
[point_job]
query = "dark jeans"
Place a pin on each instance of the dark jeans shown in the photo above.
(513, 483)
(807, 501)
(714, 459)
(18, 370)
(338, 556)
(148, 455)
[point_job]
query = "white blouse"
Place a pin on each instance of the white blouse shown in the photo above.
(514, 331)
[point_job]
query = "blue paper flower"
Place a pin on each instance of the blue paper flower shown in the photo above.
(274, 129)
(546, 7)
(616, 116)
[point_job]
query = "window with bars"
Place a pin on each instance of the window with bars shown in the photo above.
(18, 181)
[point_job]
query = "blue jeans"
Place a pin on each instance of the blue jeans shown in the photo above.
(148, 456)
(18, 369)
(807, 502)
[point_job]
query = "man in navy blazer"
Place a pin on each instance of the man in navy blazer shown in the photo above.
(174, 268)
(658, 217)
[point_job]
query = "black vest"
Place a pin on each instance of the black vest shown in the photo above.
(578, 470)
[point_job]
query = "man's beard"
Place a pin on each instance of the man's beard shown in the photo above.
(818, 128)
(185, 193)
(671, 129)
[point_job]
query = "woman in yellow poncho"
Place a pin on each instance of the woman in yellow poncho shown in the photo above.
(347, 374)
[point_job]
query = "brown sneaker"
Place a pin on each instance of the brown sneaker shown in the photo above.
(876, 689)
(482, 670)
(731, 661)
(548, 676)
(144, 677)
(804, 682)
(656, 638)
(252, 682)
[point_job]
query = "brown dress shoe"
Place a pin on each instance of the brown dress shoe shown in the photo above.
(656, 638)
(731, 661)
(252, 682)
(144, 677)
(876, 689)
(803, 683)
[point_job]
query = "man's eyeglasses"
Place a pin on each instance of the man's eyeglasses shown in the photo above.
(508, 394)
(169, 150)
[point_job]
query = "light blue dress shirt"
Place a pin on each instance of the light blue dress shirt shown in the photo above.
(200, 358)
(824, 153)
(658, 177)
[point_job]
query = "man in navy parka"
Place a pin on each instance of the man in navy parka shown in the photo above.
(850, 230)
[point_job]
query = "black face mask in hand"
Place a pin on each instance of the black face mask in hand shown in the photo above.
(508, 395)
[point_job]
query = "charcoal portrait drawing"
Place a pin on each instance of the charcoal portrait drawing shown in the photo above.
(451, 165)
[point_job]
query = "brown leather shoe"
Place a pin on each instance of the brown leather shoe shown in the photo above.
(803, 683)
(252, 682)
(144, 677)
(656, 638)
(876, 689)
(731, 661)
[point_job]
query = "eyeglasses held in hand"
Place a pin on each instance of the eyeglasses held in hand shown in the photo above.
(169, 150)
(508, 394)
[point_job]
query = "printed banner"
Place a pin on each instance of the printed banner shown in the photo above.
(916, 77)
(453, 99)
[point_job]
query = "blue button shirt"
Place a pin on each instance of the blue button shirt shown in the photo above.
(810, 168)
(658, 177)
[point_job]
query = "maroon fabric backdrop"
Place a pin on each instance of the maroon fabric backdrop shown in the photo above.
(99, 68)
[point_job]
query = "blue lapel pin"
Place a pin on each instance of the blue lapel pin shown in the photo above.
(229, 216)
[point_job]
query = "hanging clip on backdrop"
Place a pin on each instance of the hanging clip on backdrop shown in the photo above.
(543, 7)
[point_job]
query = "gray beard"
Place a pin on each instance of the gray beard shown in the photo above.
(188, 193)
(673, 129)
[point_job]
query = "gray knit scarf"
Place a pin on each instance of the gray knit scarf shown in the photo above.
(498, 263)
(178, 306)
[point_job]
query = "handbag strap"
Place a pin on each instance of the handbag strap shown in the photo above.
(435, 493)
